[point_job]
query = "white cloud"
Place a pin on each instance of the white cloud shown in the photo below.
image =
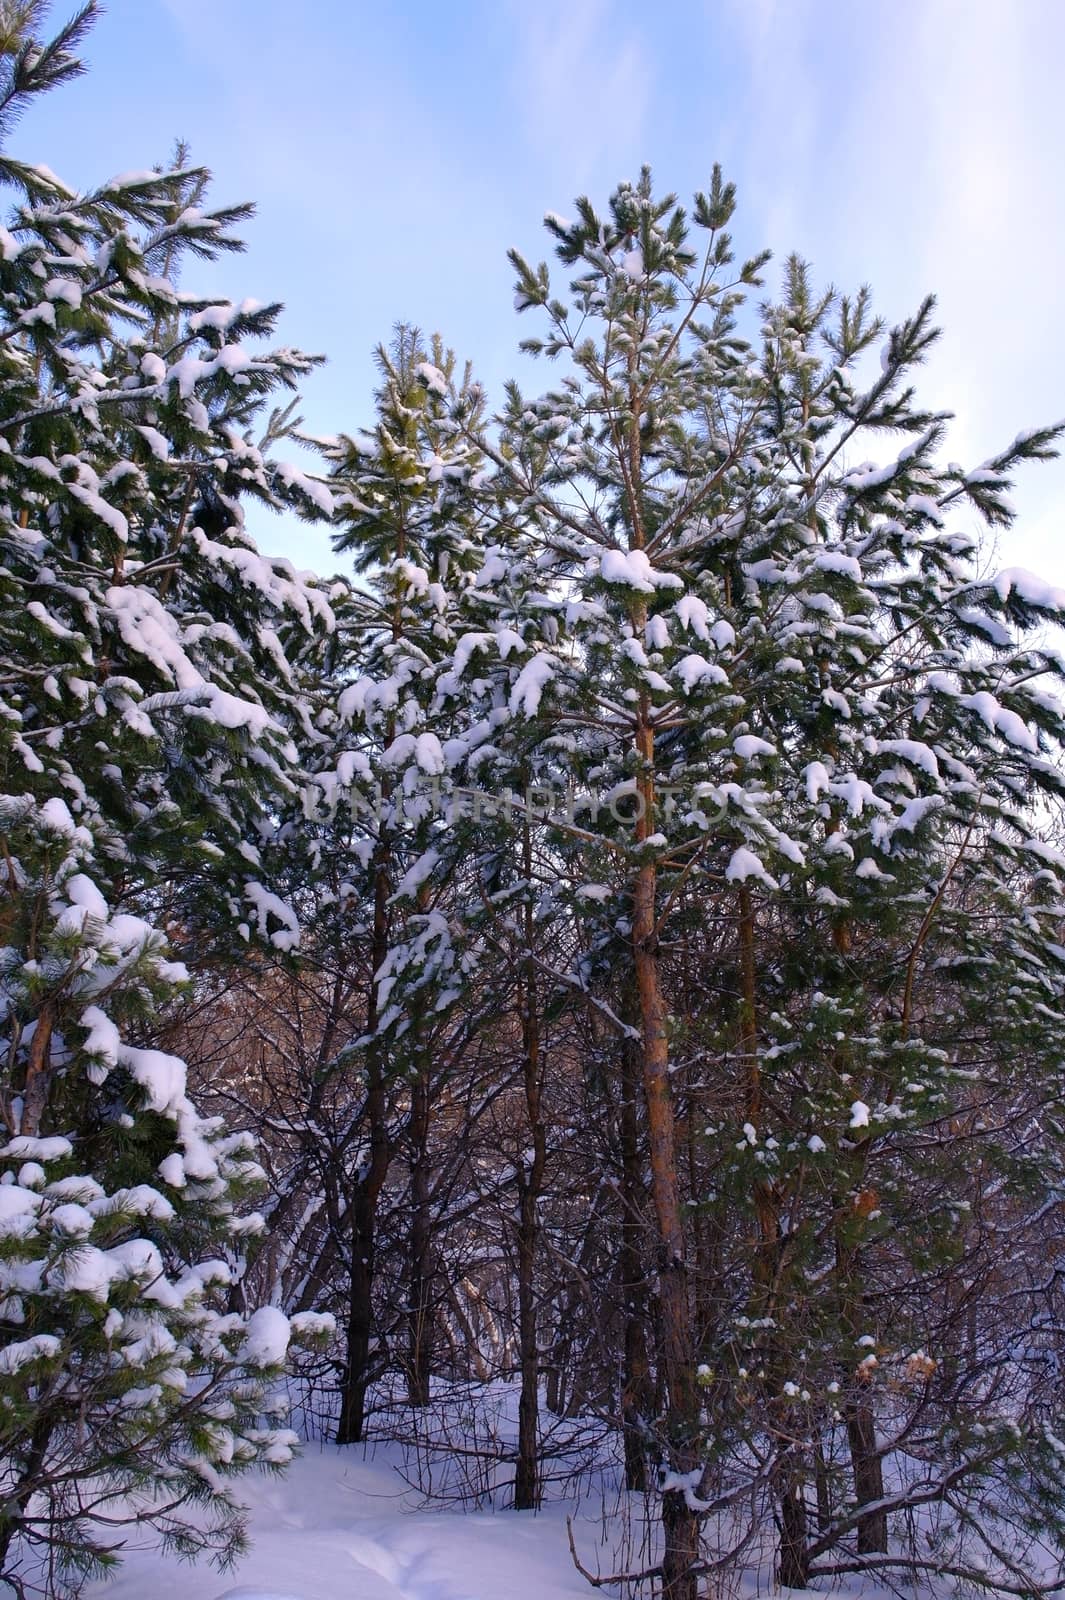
(582, 83)
(911, 143)
(987, 115)
(917, 145)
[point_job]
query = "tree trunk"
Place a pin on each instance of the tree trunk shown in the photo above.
(868, 1469)
(823, 1487)
(794, 1560)
(38, 1072)
(527, 1474)
(676, 1357)
(858, 1411)
(527, 1471)
(680, 1525)
(355, 1379)
(420, 1313)
(637, 1397)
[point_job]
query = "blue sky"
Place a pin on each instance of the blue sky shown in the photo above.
(396, 149)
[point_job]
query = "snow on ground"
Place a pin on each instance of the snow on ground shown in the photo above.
(343, 1525)
(355, 1523)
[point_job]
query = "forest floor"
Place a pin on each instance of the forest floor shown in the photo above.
(429, 1519)
(343, 1525)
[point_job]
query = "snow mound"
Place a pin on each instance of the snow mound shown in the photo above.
(257, 1594)
(343, 1524)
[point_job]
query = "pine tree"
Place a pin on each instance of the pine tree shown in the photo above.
(828, 734)
(129, 578)
(368, 847)
(127, 1392)
(147, 709)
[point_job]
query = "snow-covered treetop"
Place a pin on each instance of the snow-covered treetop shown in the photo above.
(132, 426)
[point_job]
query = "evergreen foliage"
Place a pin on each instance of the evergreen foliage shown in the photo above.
(834, 738)
(147, 711)
(640, 880)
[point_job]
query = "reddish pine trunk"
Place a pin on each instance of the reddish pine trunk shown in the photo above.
(637, 1395)
(680, 1525)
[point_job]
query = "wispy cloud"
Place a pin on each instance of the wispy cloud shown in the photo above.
(582, 78)
(986, 150)
(395, 151)
(917, 145)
